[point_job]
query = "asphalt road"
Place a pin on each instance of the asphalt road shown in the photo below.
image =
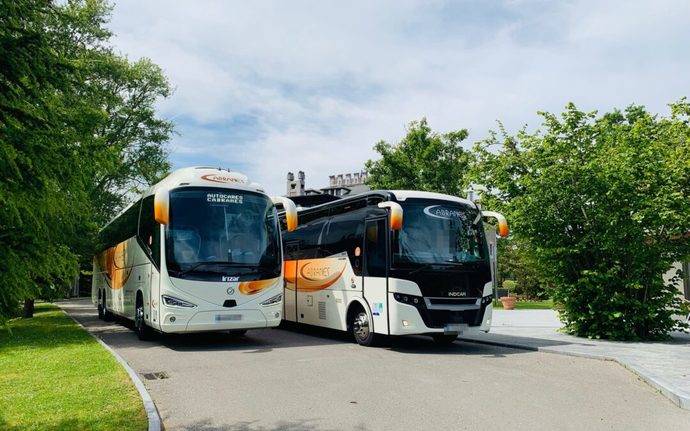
(281, 379)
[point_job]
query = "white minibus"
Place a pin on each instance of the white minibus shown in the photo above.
(391, 262)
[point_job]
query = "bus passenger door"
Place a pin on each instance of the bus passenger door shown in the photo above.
(375, 274)
(151, 295)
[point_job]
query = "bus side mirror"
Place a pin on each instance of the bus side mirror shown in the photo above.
(395, 214)
(503, 229)
(161, 206)
(290, 211)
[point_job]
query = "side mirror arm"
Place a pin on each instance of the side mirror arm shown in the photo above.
(395, 214)
(503, 229)
(290, 211)
(161, 206)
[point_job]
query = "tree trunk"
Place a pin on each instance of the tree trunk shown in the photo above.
(28, 308)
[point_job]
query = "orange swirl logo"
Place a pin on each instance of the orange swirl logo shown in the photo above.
(313, 274)
(113, 262)
(256, 286)
(219, 178)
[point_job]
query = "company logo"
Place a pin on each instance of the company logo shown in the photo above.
(230, 278)
(231, 290)
(457, 293)
(316, 270)
(224, 198)
(439, 211)
(222, 178)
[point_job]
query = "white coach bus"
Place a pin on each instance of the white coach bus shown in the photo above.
(391, 263)
(199, 251)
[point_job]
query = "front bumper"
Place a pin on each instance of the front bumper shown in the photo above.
(222, 319)
(407, 319)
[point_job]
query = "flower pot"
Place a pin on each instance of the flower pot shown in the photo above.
(508, 302)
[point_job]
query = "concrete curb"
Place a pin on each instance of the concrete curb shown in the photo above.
(677, 396)
(154, 419)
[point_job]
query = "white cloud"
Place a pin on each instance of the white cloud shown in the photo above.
(323, 81)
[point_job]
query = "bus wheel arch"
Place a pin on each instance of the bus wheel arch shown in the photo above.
(359, 324)
(354, 307)
(143, 330)
(103, 309)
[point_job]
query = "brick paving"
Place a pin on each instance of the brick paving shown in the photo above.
(664, 365)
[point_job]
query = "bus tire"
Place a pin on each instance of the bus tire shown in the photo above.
(107, 315)
(444, 339)
(143, 330)
(360, 328)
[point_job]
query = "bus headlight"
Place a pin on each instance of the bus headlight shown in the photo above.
(176, 302)
(273, 299)
(415, 301)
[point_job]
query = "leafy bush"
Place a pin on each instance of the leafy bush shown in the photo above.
(509, 285)
(603, 202)
(515, 263)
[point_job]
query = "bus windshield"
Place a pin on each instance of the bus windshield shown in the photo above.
(438, 232)
(216, 231)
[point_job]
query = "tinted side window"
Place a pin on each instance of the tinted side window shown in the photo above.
(149, 230)
(120, 229)
(306, 239)
(375, 245)
(345, 235)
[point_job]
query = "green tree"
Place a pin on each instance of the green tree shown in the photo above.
(36, 158)
(603, 203)
(515, 262)
(78, 134)
(422, 160)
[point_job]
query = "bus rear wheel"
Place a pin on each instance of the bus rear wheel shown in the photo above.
(361, 330)
(140, 327)
(444, 339)
(103, 312)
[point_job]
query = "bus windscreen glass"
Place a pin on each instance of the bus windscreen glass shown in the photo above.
(438, 232)
(216, 231)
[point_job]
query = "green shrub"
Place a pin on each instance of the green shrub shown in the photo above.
(603, 202)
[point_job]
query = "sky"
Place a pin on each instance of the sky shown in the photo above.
(270, 87)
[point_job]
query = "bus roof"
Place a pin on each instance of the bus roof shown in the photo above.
(201, 176)
(393, 195)
(198, 176)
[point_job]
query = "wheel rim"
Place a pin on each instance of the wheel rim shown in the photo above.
(361, 326)
(139, 317)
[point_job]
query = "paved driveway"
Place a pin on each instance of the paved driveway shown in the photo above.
(312, 380)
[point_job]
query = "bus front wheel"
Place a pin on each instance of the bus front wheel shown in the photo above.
(140, 327)
(360, 327)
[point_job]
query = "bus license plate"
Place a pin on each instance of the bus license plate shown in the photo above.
(454, 328)
(224, 317)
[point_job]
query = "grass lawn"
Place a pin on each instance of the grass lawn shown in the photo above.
(529, 305)
(53, 375)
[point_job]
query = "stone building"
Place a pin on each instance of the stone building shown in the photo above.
(338, 185)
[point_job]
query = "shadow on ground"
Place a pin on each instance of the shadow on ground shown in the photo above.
(119, 335)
